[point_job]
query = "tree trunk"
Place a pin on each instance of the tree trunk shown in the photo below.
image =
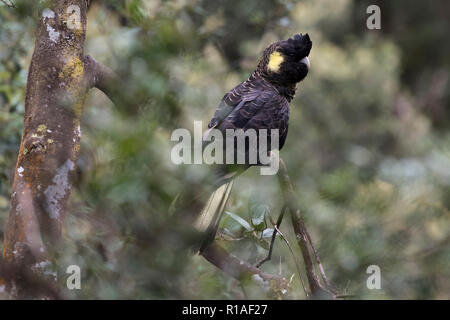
(56, 90)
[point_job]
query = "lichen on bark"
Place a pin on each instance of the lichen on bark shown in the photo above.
(56, 90)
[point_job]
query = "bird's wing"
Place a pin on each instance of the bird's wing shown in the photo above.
(274, 114)
(234, 100)
(268, 110)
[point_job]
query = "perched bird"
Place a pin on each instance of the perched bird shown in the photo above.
(260, 102)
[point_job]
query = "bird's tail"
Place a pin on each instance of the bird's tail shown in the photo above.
(209, 218)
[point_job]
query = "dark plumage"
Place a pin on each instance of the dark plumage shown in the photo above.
(260, 102)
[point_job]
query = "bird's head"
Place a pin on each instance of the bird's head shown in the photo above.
(286, 62)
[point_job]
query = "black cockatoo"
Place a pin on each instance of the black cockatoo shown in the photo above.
(260, 102)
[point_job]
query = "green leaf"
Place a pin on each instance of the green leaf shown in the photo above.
(267, 233)
(239, 220)
(258, 213)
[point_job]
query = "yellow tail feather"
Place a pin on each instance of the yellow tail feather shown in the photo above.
(210, 215)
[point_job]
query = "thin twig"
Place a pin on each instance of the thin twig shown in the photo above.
(319, 263)
(272, 241)
(295, 260)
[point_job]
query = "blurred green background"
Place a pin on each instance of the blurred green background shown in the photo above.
(368, 147)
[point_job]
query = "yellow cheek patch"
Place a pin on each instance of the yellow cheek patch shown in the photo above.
(275, 61)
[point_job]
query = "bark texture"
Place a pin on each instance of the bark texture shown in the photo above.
(56, 89)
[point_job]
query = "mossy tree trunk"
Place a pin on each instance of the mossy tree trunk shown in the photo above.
(58, 81)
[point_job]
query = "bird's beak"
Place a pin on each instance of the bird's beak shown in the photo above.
(305, 60)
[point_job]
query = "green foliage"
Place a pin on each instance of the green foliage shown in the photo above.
(258, 212)
(239, 220)
(368, 147)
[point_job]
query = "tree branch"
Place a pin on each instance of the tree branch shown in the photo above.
(113, 86)
(101, 77)
(239, 269)
(242, 270)
(302, 236)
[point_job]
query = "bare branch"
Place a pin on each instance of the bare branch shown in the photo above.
(301, 234)
(316, 256)
(101, 77)
(240, 269)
